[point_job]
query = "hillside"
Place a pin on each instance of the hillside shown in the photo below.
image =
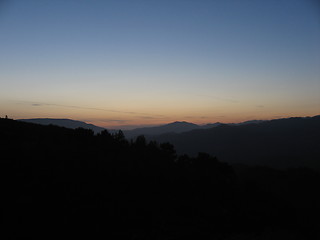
(60, 181)
(277, 143)
(68, 123)
(175, 127)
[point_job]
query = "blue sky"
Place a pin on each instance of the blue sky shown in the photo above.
(119, 62)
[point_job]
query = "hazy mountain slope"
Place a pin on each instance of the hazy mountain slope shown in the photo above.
(178, 127)
(175, 127)
(211, 125)
(68, 123)
(277, 143)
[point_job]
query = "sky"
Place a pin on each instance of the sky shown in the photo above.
(127, 63)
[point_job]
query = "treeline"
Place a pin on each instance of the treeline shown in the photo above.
(59, 182)
(279, 143)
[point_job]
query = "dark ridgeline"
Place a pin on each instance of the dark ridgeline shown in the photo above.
(175, 127)
(59, 182)
(280, 143)
(68, 123)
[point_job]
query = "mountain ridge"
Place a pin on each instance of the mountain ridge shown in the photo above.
(64, 122)
(165, 129)
(176, 127)
(287, 142)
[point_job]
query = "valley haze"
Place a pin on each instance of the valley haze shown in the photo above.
(278, 143)
(134, 131)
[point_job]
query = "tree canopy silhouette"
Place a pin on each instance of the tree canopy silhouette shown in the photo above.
(61, 181)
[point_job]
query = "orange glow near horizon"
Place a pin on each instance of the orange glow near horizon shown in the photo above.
(121, 65)
(125, 119)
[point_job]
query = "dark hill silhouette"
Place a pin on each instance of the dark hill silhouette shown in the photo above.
(58, 182)
(278, 143)
(175, 127)
(68, 123)
(211, 125)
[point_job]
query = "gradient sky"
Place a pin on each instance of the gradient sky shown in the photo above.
(134, 62)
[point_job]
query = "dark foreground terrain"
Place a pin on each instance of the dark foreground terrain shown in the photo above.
(64, 183)
(279, 143)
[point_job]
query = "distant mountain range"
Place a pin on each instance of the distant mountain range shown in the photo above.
(276, 143)
(178, 127)
(68, 123)
(287, 142)
(175, 127)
